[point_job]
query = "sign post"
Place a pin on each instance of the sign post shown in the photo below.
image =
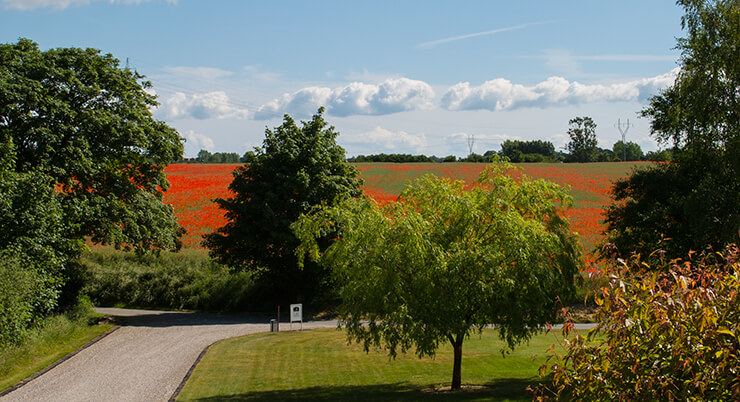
(296, 314)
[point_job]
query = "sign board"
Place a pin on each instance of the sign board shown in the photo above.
(296, 312)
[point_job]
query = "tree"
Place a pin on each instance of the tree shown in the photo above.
(582, 145)
(75, 116)
(627, 152)
(295, 169)
(528, 151)
(443, 261)
(204, 156)
(693, 202)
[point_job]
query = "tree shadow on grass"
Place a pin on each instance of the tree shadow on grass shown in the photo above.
(498, 390)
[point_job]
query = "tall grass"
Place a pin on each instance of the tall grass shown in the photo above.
(185, 280)
(47, 341)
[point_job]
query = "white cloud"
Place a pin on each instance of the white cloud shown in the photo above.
(390, 96)
(389, 141)
(197, 141)
(25, 5)
(210, 105)
(501, 94)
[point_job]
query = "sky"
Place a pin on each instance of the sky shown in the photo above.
(413, 76)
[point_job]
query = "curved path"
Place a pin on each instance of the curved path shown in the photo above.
(144, 360)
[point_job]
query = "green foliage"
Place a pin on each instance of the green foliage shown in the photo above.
(185, 280)
(699, 115)
(34, 251)
(46, 342)
(295, 169)
(475, 158)
(663, 155)
(218, 157)
(528, 151)
(627, 152)
(444, 261)
(74, 115)
(582, 145)
(17, 286)
(666, 335)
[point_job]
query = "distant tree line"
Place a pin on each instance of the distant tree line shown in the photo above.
(517, 151)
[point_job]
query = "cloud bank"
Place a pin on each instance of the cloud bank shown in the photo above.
(383, 140)
(25, 5)
(197, 141)
(501, 94)
(357, 98)
(201, 106)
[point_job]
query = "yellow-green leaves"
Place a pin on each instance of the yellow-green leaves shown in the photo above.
(445, 260)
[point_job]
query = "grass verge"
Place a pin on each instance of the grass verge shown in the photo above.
(54, 338)
(320, 365)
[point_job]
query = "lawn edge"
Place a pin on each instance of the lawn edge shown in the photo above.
(185, 379)
(58, 362)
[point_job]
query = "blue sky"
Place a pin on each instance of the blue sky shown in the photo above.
(395, 76)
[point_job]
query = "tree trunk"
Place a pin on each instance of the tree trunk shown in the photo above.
(457, 364)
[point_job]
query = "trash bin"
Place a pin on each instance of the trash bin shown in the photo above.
(273, 326)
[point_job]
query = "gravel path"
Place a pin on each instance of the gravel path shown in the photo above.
(144, 360)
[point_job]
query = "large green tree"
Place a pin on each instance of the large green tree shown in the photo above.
(693, 202)
(582, 145)
(297, 168)
(444, 261)
(629, 151)
(76, 116)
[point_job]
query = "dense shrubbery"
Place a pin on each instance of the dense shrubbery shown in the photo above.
(666, 334)
(185, 280)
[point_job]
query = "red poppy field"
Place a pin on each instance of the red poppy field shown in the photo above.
(195, 185)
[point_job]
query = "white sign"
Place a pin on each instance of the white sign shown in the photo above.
(296, 312)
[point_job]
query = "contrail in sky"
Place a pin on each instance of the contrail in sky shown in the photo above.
(473, 35)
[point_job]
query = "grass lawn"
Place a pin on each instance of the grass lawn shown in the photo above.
(320, 365)
(56, 338)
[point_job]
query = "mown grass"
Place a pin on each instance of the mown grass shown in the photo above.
(320, 365)
(51, 340)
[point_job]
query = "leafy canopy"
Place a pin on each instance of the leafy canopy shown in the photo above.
(444, 261)
(693, 202)
(582, 145)
(297, 168)
(670, 334)
(75, 116)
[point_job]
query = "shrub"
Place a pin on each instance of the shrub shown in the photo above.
(662, 335)
(185, 280)
(16, 299)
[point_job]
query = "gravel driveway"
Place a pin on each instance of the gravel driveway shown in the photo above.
(144, 360)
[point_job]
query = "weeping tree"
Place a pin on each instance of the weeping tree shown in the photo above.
(444, 262)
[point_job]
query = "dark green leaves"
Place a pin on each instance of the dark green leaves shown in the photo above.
(297, 168)
(74, 115)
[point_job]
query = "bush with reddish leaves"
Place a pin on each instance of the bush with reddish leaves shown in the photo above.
(668, 334)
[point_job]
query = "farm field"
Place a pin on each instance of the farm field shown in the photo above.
(195, 185)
